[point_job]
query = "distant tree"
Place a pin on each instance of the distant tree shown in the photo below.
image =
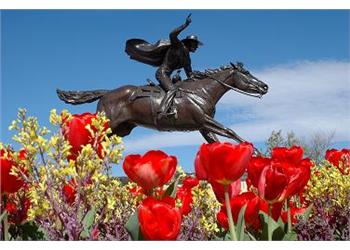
(276, 139)
(314, 146)
(292, 139)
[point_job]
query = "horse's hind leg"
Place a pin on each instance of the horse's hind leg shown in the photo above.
(208, 136)
(123, 129)
(217, 128)
(118, 120)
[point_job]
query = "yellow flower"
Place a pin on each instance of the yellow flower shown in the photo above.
(328, 181)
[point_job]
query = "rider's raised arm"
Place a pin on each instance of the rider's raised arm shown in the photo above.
(173, 35)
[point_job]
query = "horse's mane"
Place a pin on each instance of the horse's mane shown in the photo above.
(199, 75)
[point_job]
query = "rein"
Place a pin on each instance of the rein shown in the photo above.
(235, 89)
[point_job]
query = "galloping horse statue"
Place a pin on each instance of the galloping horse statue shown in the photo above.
(130, 106)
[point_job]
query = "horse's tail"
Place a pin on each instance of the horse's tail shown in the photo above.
(80, 97)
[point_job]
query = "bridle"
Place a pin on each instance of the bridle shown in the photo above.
(236, 89)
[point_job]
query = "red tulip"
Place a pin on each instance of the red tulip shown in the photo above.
(185, 196)
(275, 211)
(255, 167)
(284, 175)
(158, 219)
(223, 163)
(154, 169)
(294, 213)
(273, 184)
(189, 182)
(78, 136)
(299, 176)
(168, 200)
(251, 215)
(200, 171)
(340, 159)
(293, 155)
(18, 211)
(95, 233)
(136, 191)
(10, 207)
(8, 182)
(299, 169)
(233, 190)
(69, 192)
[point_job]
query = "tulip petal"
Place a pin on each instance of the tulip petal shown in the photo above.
(154, 169)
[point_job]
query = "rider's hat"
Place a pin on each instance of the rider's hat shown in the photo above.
(193, 38)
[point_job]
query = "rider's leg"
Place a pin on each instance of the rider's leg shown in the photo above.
(166, 102)
(163, 76)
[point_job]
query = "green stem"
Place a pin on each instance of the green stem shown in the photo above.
(251, 236)
(5, 219)
(6, 228)
(269, 224)
(289, 227)
(229, 215)
(2, 216)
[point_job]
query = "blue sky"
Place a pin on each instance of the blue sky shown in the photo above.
(302, 54)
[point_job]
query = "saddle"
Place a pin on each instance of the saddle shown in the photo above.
(152, 90)
(147, 91)
(156, 94)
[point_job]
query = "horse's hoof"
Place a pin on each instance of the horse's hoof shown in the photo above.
(256, 152)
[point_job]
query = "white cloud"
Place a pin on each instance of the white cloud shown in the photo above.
(305, 97)
(162, 140)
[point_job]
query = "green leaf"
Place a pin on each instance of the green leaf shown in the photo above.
(227, 236)
(283, 225)
(30, 231)
(133, 227)
(219, 236)
(2, 216)
(307, 212)
(172, 189)
(277, 231)
(292, 236)
(88, 222)
(216, 238)
(241, 223)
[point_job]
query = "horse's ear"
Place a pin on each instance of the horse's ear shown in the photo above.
(240, 65)
(233, 65)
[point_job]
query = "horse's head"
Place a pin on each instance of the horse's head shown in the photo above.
(244, 82)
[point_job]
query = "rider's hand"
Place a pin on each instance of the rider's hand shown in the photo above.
(173, 87)
(191, 77)
(188, 19)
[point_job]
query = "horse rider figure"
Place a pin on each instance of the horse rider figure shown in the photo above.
(168, 56)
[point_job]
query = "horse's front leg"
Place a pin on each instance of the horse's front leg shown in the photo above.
(213, 126)
(208, 136)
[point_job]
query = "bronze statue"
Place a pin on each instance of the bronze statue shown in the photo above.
(130, 106)
(193, 99)
(168, 56)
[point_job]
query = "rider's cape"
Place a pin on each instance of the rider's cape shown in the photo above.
(142, 51)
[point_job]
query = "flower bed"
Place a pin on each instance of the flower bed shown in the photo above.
(59, 186)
